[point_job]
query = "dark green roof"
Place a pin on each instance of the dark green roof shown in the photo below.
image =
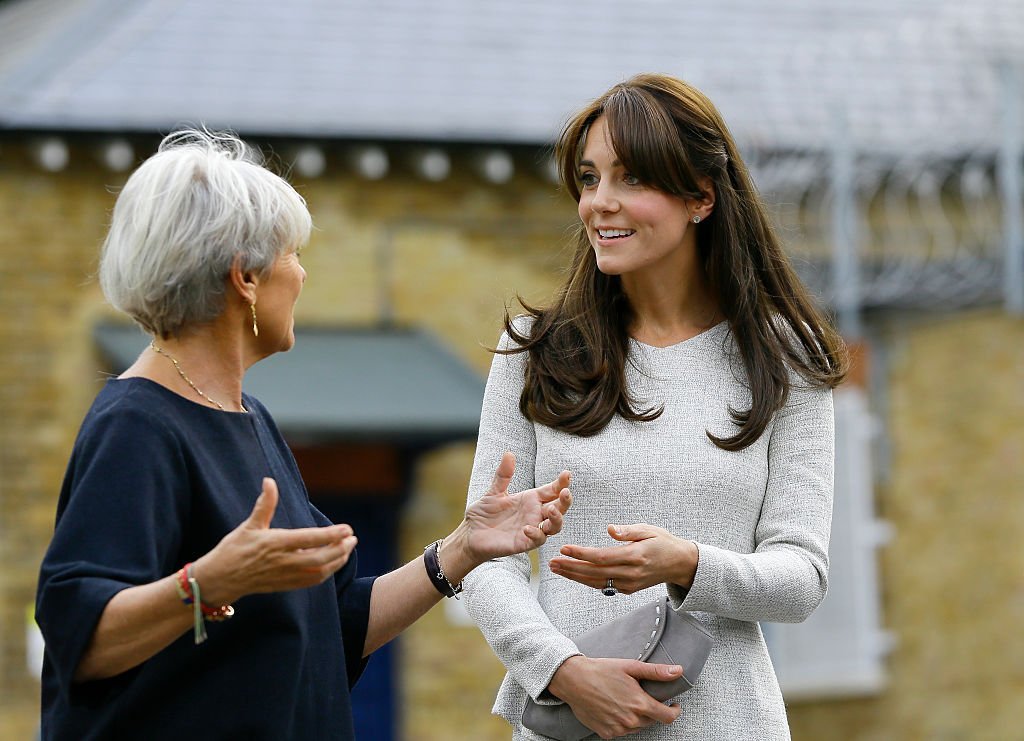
(399, 385)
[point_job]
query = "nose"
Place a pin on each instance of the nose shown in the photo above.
(603, 200)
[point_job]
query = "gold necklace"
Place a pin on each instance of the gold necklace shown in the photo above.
(188, 380)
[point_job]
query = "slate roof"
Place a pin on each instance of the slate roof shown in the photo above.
(396, 385)
(908, 74)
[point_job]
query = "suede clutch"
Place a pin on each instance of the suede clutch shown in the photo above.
(654, 633)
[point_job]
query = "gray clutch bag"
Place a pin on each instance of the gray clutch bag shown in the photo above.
(654, 633)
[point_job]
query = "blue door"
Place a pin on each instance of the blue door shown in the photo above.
(375, 521)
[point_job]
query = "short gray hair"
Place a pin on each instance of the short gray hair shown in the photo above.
(181, 219)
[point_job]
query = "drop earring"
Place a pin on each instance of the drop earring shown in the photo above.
(255, 327)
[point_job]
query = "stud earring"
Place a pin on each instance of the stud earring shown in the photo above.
(696, 219)
(255, 327)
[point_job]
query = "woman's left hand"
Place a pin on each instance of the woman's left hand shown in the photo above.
(497, 524)
(500, 524)
(651, 555)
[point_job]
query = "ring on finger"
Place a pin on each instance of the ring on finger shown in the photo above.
(609, 588)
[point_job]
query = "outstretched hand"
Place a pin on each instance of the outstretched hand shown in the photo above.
(500, 524)
(255, 557)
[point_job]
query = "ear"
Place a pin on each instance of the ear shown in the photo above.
(245, 282)
(704, 205)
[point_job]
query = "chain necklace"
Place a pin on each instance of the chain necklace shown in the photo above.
(188, 380)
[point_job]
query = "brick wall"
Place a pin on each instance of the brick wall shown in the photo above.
(953, 575)
(455, 252)
(48, 230)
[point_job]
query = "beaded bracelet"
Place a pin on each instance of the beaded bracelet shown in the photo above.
(432, 560)
(188, 591)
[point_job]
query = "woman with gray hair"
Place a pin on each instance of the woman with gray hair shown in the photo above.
(172, 604)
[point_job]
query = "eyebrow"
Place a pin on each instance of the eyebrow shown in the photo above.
(589, 163)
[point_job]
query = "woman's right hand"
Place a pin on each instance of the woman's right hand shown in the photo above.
(606, 696)
(257, 558)
(136, 623)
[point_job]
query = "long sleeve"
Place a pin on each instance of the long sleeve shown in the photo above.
(498, 594)
(786, 576)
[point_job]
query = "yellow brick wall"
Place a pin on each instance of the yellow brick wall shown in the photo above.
(457, 251)
(953, 575)
(48, 229)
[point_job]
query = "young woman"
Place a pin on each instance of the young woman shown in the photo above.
(685, 377)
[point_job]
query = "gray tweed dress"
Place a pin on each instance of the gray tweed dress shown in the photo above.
(760, 517)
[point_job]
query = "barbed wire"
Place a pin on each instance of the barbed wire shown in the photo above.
(927, 231)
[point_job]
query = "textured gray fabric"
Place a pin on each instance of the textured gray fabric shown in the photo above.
(761, 519)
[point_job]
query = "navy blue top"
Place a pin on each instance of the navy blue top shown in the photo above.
(155, 481)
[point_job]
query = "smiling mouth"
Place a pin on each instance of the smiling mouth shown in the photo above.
(615, 233)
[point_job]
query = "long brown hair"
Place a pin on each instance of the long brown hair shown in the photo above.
(669, 135)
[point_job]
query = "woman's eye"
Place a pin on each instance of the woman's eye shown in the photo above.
(588, 179)
(630, 179)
